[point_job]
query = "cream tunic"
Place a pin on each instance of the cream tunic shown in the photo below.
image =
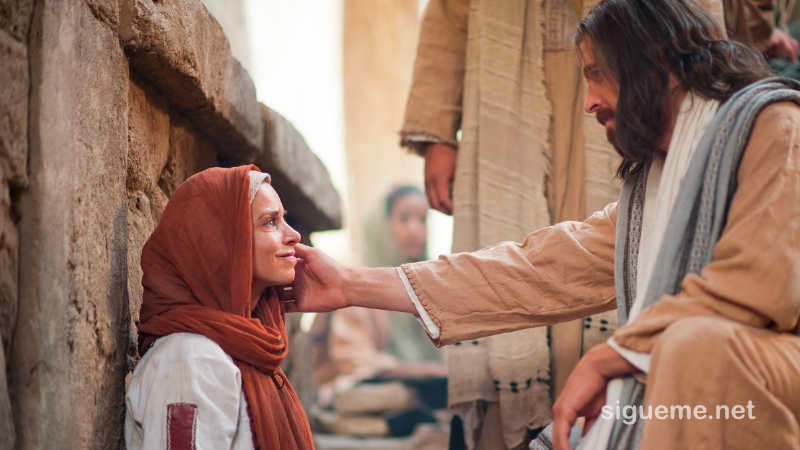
(187, 368)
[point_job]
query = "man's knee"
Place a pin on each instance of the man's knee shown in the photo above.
(704, 338)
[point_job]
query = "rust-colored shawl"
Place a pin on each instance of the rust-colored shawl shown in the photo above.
(198, 277)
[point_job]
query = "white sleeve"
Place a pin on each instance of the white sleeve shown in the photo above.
(424, 317)
(188, 389)
(638, 359)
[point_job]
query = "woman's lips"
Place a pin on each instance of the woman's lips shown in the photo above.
(289, 257)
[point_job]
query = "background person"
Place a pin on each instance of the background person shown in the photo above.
(356, 344)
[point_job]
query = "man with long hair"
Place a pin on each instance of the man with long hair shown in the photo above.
(700, 255)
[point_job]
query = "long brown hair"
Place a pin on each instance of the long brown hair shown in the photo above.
(639, 43)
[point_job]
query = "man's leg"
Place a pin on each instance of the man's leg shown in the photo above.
(711, 361)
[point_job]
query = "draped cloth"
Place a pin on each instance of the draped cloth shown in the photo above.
(198, 271)
(696, 220)
(499, 194)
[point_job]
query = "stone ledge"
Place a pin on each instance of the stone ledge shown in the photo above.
(179, 48)
(298, 175)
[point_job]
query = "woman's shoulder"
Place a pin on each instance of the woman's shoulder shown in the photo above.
(188, 350)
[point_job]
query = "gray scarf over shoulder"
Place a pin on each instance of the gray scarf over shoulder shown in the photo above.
(694, 226)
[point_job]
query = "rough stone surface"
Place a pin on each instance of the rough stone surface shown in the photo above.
(15, 18)
(9, 269)
(13, 108)
(180, 48)
(13, 164)
(72, 328)
(6, 419)
(298, 175)
(14, 81)
(148, 152)
(148, 137)
(141, 224)
(189, 153)
(92, 143)
(106, 11)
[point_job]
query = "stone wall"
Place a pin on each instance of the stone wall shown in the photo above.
(15, 18)
(105, 107)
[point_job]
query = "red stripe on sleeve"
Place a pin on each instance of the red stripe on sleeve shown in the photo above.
(181, 424)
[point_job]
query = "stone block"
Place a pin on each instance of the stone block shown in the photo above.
(140, 225)
(181, 49)
(106, 11)
(15, 18)
(189, 153)
(13, 109)
(9, 251)
(6, 417)
(299, 176)
(148, 136)
(73, 319)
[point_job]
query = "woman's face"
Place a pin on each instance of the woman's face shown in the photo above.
(273, 241)
(408, 225)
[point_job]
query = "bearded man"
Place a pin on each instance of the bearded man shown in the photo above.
(700, 255)
(495, 109)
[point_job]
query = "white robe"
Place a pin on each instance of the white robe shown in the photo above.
(191, 369)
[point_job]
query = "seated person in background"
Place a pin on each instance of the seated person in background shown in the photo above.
(753, 22)
(355, 344)
(211, 330)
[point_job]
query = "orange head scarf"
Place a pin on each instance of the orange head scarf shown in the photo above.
(198, 274)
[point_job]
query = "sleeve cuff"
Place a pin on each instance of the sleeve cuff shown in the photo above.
(638, 359)
(418, 141)
(424, 317)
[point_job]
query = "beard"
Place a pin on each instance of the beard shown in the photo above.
(603, 115)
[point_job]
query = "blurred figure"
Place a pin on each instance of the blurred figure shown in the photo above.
(407, 210)
(788, 19)
(753, 22)
(358, 344)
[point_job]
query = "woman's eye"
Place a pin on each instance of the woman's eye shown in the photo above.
(269, 223)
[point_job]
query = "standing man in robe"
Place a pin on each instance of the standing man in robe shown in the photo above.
(702, 253)
(504, 74)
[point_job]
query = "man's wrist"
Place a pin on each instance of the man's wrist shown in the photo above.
(608, 362)
(348, 285)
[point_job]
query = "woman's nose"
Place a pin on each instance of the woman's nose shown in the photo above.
(291, 236)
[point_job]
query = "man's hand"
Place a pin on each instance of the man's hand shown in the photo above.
(585, 391)
(782, 45)
(318, 283)
(440, 169)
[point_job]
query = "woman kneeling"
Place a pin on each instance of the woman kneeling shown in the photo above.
(211, 329)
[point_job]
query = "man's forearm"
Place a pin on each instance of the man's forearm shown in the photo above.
(379, 288)
(608, 362)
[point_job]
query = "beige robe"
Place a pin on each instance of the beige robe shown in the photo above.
(491, 70)
(505, 74)
(752, 287)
